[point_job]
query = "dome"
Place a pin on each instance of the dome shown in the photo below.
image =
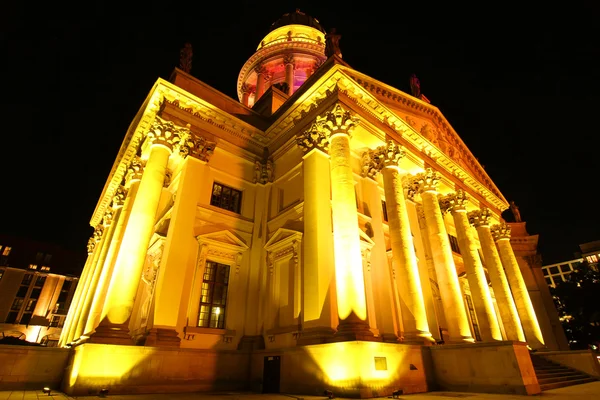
(297, 18)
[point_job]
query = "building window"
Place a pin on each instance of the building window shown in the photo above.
(473, 318)
(554, 270)
(454, 244)
(17, 304)
(40, 280)
(384, 208)
(55, 321)
(44, 268)
(27, 279)
(214, 295)
(545, 271)
(549, 281)
(22, 292)
(66, 285)
(32, 266)
(25, 319)
(30, 305)
(226, 198)
(11, 318)
(6, 250)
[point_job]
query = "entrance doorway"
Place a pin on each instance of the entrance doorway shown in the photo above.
(271, 374)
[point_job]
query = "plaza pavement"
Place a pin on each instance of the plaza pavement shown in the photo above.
(587, 391)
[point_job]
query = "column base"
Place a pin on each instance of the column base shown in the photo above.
(460, 340)
(162, 337)
(390, 338)
(112, 334)
(424, 339)
(316, 335)
(354, 328)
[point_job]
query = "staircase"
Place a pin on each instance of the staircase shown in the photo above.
(553, 376)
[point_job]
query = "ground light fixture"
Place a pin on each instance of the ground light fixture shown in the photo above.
(103, 392)
(329, 394)
(47, 390)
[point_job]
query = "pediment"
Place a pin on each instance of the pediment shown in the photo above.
(223, 238)
(281, 237)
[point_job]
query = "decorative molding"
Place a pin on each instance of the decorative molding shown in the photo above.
(501, 231)
(263, 171)
(313, 138)
(424, 182)
(223, 247)
(480, 217)
(119, 197)
(198, 147)
(168, 134)
(373, 161)
(135, 169)
(454, 202)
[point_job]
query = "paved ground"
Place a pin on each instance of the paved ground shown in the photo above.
(587, 391)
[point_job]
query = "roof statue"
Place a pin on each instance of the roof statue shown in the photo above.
(415, 88)
(185, 58)
(332, 43)
(515, 211)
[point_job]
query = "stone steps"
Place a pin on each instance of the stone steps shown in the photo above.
(553, 376)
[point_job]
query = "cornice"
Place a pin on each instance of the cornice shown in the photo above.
(166, 92)
(389, 93)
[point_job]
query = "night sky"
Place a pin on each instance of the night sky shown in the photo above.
(520, 86)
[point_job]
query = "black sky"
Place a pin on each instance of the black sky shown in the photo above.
(520, 85)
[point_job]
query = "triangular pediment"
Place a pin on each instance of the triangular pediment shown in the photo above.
(224, 238)
(283, 235)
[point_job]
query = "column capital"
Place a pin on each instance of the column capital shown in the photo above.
(119, 197)
(337, 121)
(501, 231)
(166, 133)
(247, 89)
(108, 217)
(197, 147)
(480, 217)
(454, 202)
(383, 156)
(260, 69)
(426, 181)
(314, 137)
(135, 169)
(288, 59)
(91, 245)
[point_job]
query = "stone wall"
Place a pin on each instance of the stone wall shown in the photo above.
(137, 369)
(500, 367)
(31, 367)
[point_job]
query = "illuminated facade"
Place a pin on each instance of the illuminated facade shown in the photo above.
(33, 300)
(333, 226)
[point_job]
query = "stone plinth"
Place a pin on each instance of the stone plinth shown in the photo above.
(137, 369)
(495, 367)
(31, 368)
(349, 369)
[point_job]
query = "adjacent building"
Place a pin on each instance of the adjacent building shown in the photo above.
(323, 231)
(33, 299)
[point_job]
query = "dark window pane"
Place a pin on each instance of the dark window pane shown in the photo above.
(25, 319)
(35, 293)
(66, 285)
(226, 197)
(11, 317)
(22, 292)
(554, 270)
(40, 281)
(27, 279)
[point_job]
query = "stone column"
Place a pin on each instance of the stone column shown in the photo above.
(163, 136)
(174, 265)
(456, 316)
(480, 292)
(350, 284)
(288, 62)
(91, 248)
(508, 311)
(108, 222)
(99, 236)
(412, 305)
(533, 333)
(260, 81)
(121, 201)
(245, 94)
(319, 302)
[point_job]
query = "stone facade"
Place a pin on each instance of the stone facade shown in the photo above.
(323, 234)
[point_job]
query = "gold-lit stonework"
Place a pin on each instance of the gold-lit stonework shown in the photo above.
(279, 232)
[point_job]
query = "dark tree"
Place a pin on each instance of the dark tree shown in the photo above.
(578, 304)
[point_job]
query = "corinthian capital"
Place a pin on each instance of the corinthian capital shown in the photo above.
(424, 182)
(136, 169)
(501, 231)
(260, 69)
(166, 133)
(108, 217)
(91, 245)
(197, 147)
(455, 201)
(119, 197)
(383, 156)
(480, 217)
(337, 121)
(313, 138)
(288, 59)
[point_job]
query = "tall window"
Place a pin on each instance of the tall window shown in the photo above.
(384, 209)
(454, 244)
(27, 279)
(473, 318)
(226, 197)
(214, 295)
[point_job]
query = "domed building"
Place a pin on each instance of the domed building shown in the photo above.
(285, 58)
(323, 233)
